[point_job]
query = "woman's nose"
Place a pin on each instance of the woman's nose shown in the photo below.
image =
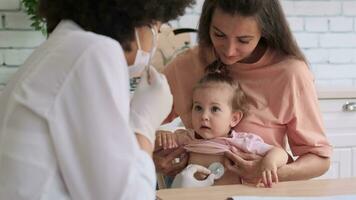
(230, 48)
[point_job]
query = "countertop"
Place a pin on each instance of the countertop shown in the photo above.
(294, 188)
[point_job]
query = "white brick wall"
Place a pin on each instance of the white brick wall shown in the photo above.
(316, 24)
(341, 24)
(307, 40)
(313, 7)
(1, 58)
(296, 24)
(9, 4)
(17, 38)
(349, 8)
(20, 39)
(324, 29)
(17, 20)
(6, 73)
(15, 57)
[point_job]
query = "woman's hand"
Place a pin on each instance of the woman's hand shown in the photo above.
(245, 165)
(166, 161)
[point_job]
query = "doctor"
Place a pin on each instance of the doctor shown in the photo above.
(65, 116)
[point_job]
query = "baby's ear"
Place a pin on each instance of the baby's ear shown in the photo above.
(236, 118)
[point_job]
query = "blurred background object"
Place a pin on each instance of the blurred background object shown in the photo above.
(172, 42)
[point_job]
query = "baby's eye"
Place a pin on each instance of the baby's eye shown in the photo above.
(215, 109)
(197, 108)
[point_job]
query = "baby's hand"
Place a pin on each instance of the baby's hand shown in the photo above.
(166, 140)
(269, 172)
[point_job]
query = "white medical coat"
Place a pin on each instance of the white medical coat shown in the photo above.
(64, 124)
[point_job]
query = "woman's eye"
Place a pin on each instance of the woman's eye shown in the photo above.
(244, 41)
(218, 35)
(215, 109)
(198, 108)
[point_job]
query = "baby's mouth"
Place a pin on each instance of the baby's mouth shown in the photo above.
(205, 127)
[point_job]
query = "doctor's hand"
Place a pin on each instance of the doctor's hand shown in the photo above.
(150, 104)
(171, 161)
(245, 165)
(186, 178)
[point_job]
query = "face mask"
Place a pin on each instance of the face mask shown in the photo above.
(142, 59)
(154, 40)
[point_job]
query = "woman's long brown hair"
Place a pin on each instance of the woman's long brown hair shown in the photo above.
(269, 16)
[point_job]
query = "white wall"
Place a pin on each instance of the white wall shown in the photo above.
(17, 38)
(325, 29)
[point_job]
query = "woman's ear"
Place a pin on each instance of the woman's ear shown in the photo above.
(236, 118)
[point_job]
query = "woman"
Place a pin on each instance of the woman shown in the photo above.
(65, 116)
(252, 40)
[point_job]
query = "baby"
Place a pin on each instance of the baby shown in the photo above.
(218, 106)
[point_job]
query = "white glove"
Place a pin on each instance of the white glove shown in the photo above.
(150, 104)
(186, 179)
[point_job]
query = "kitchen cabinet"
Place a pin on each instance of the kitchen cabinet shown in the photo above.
(340, 165)
(354, 161)
(338, 109)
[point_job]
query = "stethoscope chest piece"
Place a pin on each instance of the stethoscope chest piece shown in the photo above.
(217, 169)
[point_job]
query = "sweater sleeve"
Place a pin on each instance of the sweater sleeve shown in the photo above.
(305, 127)
(171, 77)
(182, 73)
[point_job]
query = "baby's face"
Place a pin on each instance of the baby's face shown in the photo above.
(212, 113)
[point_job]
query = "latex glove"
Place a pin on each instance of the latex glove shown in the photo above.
(150, 105)
(186, 178)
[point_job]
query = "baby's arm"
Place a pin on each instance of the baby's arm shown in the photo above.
(275, 158)
(169, 140)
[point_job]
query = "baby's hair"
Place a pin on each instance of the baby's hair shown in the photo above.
(238, 101)
(217, 67)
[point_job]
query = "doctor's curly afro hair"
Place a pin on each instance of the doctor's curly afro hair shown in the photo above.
(113, 18)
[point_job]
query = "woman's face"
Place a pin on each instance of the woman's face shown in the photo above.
(234, 37)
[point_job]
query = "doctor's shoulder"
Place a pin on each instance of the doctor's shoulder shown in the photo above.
(91, 50)
(87, 40)
(92, 53)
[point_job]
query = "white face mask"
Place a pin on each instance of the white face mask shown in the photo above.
(142, 59)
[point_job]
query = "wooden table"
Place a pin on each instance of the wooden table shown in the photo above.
(293, 188)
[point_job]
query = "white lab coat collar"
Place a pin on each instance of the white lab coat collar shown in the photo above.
(68, 25)
(65, 26)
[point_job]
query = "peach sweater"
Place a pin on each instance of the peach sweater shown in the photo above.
(281, 94)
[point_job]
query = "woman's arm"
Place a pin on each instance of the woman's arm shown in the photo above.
(247, 165)
(276, 156)
(315, 165)
(305, 129)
